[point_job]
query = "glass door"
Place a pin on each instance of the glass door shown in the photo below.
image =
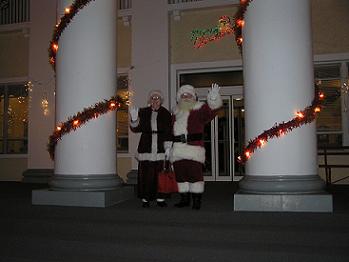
(223, 139)
(239, 136)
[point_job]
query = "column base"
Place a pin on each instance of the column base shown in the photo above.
(85, 182)
(283, 193)
(100, 190)
(82, 198)
(283, 203)
(282, 184)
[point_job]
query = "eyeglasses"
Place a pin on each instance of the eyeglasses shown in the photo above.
(186, 95)
(155, 98)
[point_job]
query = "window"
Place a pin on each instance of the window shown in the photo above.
(329, 122)
(13, 12)
(227, 78)
(13, 119)
(122, 116)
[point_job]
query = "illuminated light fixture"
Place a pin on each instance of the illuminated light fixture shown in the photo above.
(76, 122)
(58, 128)
(55, 46)
(317, 109)
(247, 154)
(240, 22)
(67, 10)
(321, 95)
(262, 142)
(300, 115)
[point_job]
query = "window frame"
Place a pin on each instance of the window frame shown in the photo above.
(6, 83)
(123, 153)
(343, 77)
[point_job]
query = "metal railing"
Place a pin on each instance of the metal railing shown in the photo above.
(14, 11)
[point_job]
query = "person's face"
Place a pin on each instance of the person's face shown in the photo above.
(155, 102)
(187, 97)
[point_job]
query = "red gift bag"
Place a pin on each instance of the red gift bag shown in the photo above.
(167, 180)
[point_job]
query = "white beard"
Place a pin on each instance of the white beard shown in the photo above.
(186, 105)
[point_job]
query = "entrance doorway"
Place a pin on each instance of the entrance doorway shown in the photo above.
(224, 136)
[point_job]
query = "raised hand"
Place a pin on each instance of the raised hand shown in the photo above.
(214, 92)
(134, 113)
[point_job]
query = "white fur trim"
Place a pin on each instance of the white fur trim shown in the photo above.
(154, 137)
(134, 123)
(168, 144)
(214, 103)
(184, 151)
(198, 105)
(186, 89)
(183, 187)
(150, 156)
(181, 124)
(197, 187)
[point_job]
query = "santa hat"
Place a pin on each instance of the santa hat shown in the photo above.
(156, 93)
(186, 89)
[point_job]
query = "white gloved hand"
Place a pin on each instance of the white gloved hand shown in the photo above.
(167, 153)
(214, 92)
(134, 113)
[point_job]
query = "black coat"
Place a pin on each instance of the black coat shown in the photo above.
(164, 130)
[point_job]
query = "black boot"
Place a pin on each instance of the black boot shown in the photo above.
(185, 200)
(196, 201)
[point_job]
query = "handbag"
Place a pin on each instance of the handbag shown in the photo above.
(167, 180)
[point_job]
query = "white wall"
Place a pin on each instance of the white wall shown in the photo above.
(150, 54)
(43, 15)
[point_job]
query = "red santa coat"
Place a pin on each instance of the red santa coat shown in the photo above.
(192, 122)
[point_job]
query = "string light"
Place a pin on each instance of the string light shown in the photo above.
(76, 122)
(89, 113)
(45, 106)
(69, 13)
(300, 115)
(202, 37)
(82, 118)
(301, 118)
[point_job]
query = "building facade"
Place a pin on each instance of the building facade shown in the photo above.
(153, 49)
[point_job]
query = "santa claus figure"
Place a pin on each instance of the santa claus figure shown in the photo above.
(188, 151)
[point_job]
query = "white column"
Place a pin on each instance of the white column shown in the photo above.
(278, 75)
(150, 55)
(86, 74)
